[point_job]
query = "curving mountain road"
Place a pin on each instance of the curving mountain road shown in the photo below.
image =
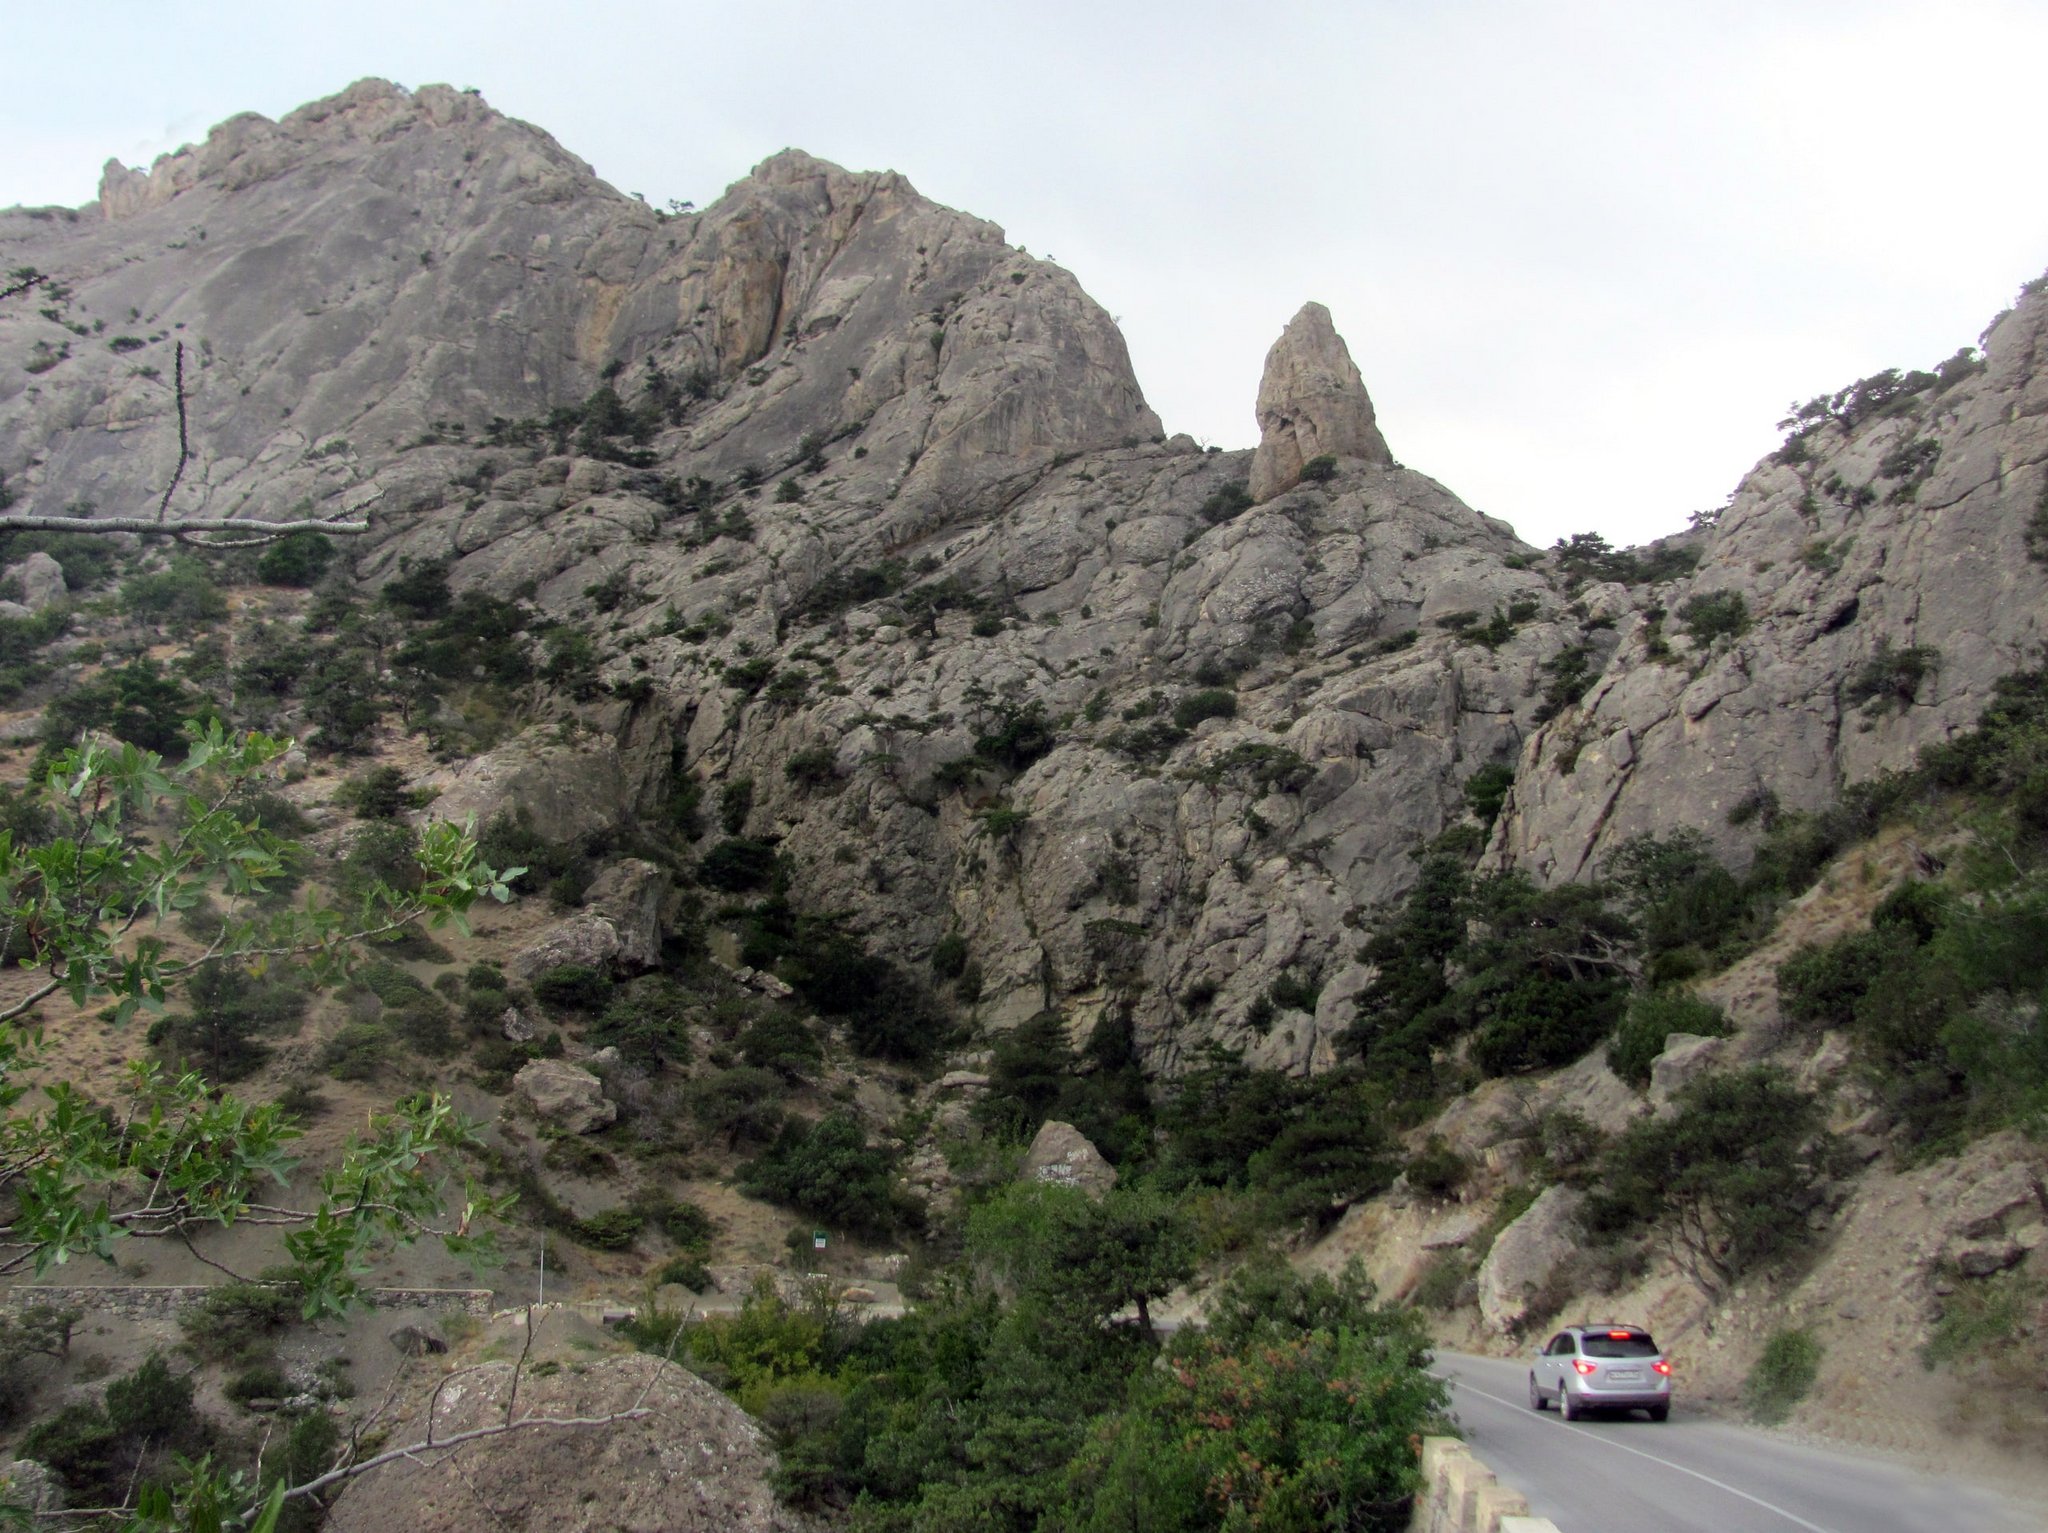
(1694, 1475)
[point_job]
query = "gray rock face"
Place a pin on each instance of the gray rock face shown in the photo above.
(1062, 1155)
(934, 502)
(1902, 533)
(1525, 1255)
(1312, 404)
(566, 792)
(571, 1099)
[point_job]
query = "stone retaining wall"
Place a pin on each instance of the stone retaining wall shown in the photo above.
(167, 1301)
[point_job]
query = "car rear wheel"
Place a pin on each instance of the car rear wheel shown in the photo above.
(1536, 1400)
(1660, 1412)
(1567, 1407)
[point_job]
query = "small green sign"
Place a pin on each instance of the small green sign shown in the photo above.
(817, 1240)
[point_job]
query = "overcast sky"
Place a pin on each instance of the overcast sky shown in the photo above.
(1584, 253)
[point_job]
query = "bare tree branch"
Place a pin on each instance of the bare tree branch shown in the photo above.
(183, 525)
(184, 442)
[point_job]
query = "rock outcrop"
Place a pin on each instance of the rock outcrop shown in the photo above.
(1879, 575)
(896, 501)
(618, 928)
(1525, 1255)
(1062, 1155)
(694, 1462)
(570, 1098)
(1312, 404)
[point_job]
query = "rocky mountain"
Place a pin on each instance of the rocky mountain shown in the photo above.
(864, 508)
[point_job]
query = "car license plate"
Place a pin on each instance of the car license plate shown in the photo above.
(1624, 1376)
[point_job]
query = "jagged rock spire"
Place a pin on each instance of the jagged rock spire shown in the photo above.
(1312, 404)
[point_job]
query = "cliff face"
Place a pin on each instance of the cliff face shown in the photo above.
(1885, 568)
(899, 497)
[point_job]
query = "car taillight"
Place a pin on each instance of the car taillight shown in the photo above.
(1661, 1367)
(1583, 1366)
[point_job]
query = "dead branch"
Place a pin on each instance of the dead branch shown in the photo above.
(265, 531)
(335, 1475)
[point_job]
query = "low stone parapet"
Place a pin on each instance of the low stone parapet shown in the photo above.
(167, 1301)
(1460, 1495)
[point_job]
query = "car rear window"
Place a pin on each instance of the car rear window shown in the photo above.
(1619, 1346)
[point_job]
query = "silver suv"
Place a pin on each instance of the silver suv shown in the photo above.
(1601, 1367)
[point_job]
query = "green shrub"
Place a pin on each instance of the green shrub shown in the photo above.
(686, 1271)
(1544, 1019)
(136, 703)
(151, 1403)
(611, 1230)
(384, 855)
(572, 661)
(649, 1025)
(231, 1008)
(1210, 703)
(779, 1041)
(78, 1445)
(1891, 678)
(22, 664)
(344, 700)
(1979, 1316)
(572, 987)
(1486, 790)
(87, 559)
(356, 1052)
(1731, 1182)
(1652, 1019)
(1822, 984)
(264, 1381)
(816, 766)
(296, 559)
(239, 1322)
(1437, 1170)
(418, 591)
(736, 865)
(1017, 735)
(1225, 502)
(829, 1171)
(379, 794)
(1319, 470)
(1784, 1372)
(741, 1105)
(735, 803)
(1715, 615)
(182, 598)
(949, 956)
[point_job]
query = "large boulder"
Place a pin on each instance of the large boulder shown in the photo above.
(1686, 1058)
(41, 579)
(1525, 1255)
(563, 792)
(619, 925)
(1062, 1155)
(695, 1463)
(570, 1098)
(30, 1485)
(1312, 404)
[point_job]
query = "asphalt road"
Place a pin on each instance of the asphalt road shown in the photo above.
(1625, 1474)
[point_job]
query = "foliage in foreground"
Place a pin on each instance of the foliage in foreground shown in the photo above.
(131, 841)
(1036, 1407)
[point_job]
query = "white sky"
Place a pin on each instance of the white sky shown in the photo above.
(1583, 252)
